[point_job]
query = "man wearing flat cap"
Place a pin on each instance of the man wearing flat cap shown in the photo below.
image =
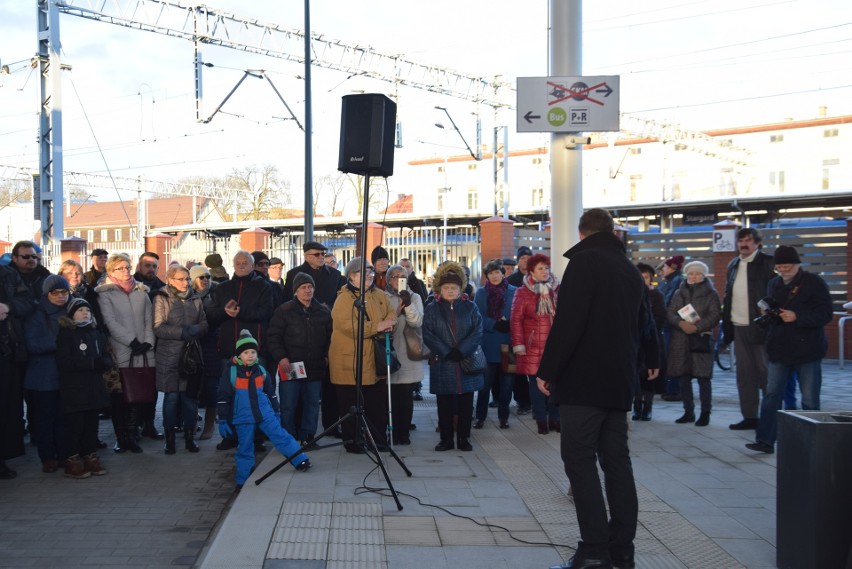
(326, 279)
(98, 270)
(798, 306)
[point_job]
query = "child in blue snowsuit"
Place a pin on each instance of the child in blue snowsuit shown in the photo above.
(247, 400)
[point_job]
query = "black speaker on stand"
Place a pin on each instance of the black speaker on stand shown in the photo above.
(367, 127)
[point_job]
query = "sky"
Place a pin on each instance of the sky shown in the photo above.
(129, 108)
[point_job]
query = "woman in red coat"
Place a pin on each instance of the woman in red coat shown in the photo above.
(532, 316)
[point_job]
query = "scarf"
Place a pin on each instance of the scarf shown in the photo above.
(177, 293)
(127, 286)
(544, 291)
(496, 298)
(83, 323)
(80, 290)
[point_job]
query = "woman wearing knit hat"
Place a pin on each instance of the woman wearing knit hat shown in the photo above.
(693, 313)
(381, 261)
(41, 381)
(672, 278)
(452, 329)
(248, 400)
(379, 318)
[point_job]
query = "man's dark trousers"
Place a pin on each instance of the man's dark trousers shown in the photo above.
(590, 434)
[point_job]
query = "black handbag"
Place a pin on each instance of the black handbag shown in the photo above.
(191, 367)
(475, 363)
(700, 343)
(380, 353)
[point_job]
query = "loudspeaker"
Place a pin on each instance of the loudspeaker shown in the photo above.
(367, 125)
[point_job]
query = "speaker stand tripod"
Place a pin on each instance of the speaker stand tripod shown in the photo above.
(363, 429)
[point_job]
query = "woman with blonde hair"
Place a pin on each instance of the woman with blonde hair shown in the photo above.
(127, 314)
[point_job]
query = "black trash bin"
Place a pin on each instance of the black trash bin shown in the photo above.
(814, 500)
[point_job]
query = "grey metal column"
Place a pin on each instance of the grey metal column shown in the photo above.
(49, 200)
(309, 126)
(566, 165)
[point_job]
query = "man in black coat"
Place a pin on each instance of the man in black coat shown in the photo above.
(16, 304)
(146, 272)
(98, 270)
(795, 342)
(516, 279)
(748, 275)
(261, 267)
(27, 261)
(327, 279)
(590, 362)
(300, 331)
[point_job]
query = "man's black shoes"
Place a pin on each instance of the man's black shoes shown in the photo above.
(585, 563)
(761, 447)
(744, 425)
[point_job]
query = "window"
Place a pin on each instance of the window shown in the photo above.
(776, 138)
(90, 235)
(776, 181)
(472, 198)
(635, 186)
(442, 169)
(440, 199)
(827, 167)
(117, 235)
(501, 198)
(471, 166)
(830, 133)
(536, 161)
(727, 185)
(678, 147)
(635, 151)
(104, 235)
(538, 197)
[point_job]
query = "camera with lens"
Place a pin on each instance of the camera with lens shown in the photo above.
(771, 312)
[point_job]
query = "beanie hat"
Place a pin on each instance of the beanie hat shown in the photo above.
(301, 279)
(260, 256)
(696, 266)
(379, 253)
(354, 266)
(5, 259)
(214, 260)
(245, 342)
(492, 265)
(75, 305)
(675, 262)
(198, 271)
(450, 272)
(54, 282)
(523, 250)
(785, 255)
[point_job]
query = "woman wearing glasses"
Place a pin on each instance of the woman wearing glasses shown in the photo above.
(127, 314)
(379, 318)
(178, 319)
(41, 381)
(203, 285)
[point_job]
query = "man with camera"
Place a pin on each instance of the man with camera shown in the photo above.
(795, 311)
(748, 275)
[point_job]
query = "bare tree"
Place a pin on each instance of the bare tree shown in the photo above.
(334, 185)
(264, 189)
(14, 190)
(376, 190)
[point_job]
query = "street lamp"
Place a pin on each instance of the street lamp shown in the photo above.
(446, 189)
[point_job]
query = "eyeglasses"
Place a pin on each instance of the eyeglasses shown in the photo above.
(205, 277)
(120, 269)
(261, 264)
(186, 280)
(59, 292)
(314, 255)
(27, 257)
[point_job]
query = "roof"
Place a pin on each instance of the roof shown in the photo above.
(161, 212)
(405, 204)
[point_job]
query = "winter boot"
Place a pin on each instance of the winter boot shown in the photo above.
(209, 424)
(646, 409)
(129, 441)
(170, 441)
(688, 417)
(542, 427)
(554, 426)
(703, 419)
(189, 438)
(93, 465)
(637, 409)
(74, 468)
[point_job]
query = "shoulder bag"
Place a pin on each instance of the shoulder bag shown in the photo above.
(415, 349)
(379, 351)
(139, 384)
(473, 364)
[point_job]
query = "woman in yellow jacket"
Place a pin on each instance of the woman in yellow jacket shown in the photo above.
(379, 318)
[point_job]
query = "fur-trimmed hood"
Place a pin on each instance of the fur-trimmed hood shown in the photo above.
(447, 268)
(70, 324)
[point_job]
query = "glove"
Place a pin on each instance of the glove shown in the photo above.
(405, 297)
(145, 347)
(455, 355)
(136, 348)
(190, 332)
(502, 326)
(225, 429)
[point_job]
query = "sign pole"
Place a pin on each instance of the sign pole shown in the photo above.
(566, 165)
